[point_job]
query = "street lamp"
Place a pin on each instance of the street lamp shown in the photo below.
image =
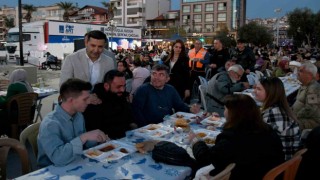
(113, 26)
(278, 10)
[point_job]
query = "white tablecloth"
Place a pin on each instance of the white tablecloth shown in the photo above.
(133, 166)
(291, 85)
(41, 92)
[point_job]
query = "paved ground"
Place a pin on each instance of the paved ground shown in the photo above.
(51, 79)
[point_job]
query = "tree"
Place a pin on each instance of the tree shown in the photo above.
(30, 9)
(304, 26)
(175, 30)
(255, 34)
(226, 39)
(111, 9)
(9, 22)
(67, 7)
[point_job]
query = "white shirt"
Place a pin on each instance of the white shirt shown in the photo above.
(94, 70)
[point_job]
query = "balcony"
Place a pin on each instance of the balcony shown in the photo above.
(133, 23)
(136, 15)
(134, 5)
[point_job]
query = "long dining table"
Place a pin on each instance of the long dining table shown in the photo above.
(133, 165)
(291, 86)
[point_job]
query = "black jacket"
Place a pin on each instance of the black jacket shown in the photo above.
(253, 153)
(113, 116)
(246, 58)
(179, 75)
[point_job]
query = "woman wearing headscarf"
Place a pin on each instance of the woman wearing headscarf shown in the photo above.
(17, 84)
(283, 69)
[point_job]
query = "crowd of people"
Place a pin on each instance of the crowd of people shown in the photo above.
(103, 96)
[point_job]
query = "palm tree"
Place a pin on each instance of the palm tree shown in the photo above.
(30, 9)
(111, 9)
(67, 7)
(8, 22)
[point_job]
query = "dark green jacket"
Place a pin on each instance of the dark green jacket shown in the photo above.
(13, 89)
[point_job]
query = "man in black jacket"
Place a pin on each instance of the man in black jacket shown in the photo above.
(219, 57)
(245, 57)
(113, 116)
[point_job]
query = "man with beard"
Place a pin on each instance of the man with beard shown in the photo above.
(222, 84)
(113, 116)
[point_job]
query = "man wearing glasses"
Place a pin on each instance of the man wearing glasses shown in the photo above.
(222, 84)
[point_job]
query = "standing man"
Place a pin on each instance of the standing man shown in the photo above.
(245, 57)
(307, 104)
(62, 134)
(154, 100)
(218, 58)
(89, 64)
(198, 59)
(114, 115)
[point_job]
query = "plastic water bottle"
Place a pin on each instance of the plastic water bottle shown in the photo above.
(41, 84)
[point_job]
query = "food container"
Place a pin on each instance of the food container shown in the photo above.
(207, 136)
(111, 150)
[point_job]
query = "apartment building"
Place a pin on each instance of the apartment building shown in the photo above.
(158, 27)
(204, 18)
(134, 13)
(90, 14)
(6, 12)
(52, 12)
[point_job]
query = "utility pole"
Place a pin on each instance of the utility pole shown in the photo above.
(20, 33)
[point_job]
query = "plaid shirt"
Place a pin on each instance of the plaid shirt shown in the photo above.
(287, 129)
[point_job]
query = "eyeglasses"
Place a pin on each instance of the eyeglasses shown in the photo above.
(238, 75)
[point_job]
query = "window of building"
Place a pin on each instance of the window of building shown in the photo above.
(187, 29)
(185, 19)
(209, 7)
(222, 17)
(222, 6)
(197, 18)
(197, 28)
(209, 28)
(197, 8)
(209, 18)
(185, 9)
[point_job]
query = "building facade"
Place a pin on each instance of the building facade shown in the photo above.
(159, 27)
(9, 13)
(278, 27)
(52, 12)
(134, 13)
(205, 18)
(90, 14)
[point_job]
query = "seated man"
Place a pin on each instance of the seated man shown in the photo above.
(114, 115)
(307, 104)
(51, 59)
(62, 133)
(222, 84)
(153, 100)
